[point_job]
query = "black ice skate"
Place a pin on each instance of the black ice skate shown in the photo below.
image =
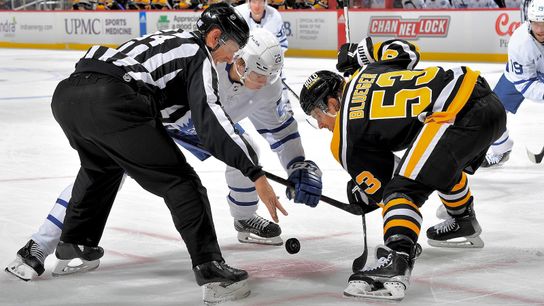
(29, 262)
(387, 279)
(494, 160)
(461, 231)
(73, 258)
(258, 230)
(220, 282)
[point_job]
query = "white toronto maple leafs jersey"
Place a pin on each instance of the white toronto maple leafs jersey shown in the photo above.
(279, 128)
(525, 67)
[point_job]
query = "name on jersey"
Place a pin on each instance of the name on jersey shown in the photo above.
(360, 95)
(435, 26)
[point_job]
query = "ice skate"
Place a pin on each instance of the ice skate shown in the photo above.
(387, 279)
(29, 262)
(495, 160)
(461, 231)
(258, 230)
(221, 283)
(74, 258)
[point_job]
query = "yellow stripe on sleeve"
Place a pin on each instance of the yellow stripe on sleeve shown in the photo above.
(335, 142)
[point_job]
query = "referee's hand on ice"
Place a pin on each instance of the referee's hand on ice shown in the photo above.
(268, 196)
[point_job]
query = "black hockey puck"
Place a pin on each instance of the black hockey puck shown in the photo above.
(292, 245)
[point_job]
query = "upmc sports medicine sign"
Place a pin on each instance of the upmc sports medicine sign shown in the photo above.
(424, 26)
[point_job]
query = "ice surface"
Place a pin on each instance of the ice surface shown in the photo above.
(147, 264)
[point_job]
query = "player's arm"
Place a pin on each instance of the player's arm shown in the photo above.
(370, 171)
(281, 132)
(522, 73)
(214, 128)
(218, 135)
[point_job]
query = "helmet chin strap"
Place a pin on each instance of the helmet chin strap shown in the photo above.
(330, 115)
(241, 77)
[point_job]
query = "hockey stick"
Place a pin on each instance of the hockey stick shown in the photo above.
(290, 89)
(535, 158)
(298, 98)
(345, 5)
(359, 262)
(352, 209)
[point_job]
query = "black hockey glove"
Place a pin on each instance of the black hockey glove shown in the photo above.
(306, 179)
(354, 56)
(357, 197)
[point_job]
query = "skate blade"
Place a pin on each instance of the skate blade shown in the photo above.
(66, 266)
(214, 293)
(394, 291)
(464, 242)
(21, 270)
(244, 237)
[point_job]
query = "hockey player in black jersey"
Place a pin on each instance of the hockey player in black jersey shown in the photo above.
(444, 119)
(108, 109)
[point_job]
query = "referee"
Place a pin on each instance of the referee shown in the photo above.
(109, 109)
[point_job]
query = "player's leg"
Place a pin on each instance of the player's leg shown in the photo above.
(460, 227)
(243, 202)
(165, 172)
(389, 276)
(30, 259)
(511, 98)
(93, 194)
(474, 129)
(499, 151)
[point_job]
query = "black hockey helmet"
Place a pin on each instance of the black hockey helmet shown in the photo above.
(318, 87)
(225, 17)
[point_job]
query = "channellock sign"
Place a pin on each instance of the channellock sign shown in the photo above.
(424, 26)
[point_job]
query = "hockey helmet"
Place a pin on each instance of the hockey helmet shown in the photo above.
(262, 57)
(398, 52)
(535, 12)
(227, 19)
(318, 87)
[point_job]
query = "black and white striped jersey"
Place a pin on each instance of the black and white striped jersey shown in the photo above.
(178, 66)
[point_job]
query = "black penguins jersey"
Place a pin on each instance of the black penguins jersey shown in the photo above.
(379, 115)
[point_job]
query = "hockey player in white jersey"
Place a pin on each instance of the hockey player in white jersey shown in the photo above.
(523, 77)
(258, 14)
(248, 88)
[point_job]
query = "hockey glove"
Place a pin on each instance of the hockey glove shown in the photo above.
(306, 179)
(357, 197)
(354, 56)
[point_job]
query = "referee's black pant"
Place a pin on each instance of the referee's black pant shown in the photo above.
(115, 129)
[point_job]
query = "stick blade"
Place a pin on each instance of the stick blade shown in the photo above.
(535, 158)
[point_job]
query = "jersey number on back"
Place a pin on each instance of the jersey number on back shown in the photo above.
(418, 97)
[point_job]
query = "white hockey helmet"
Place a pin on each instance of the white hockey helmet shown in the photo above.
(262, 58)
(535, 12)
